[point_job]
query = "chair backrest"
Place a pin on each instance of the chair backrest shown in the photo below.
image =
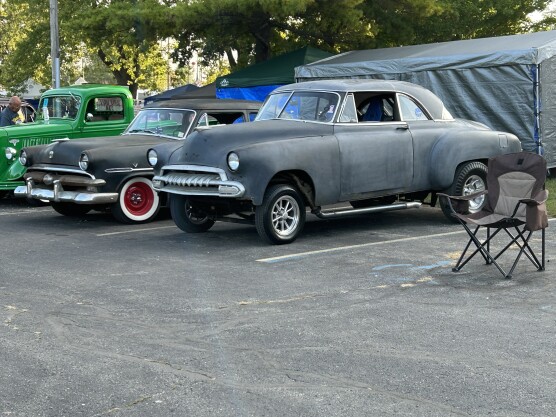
(512, 177)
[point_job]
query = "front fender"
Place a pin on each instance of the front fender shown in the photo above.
(452, 149)
(318, 157)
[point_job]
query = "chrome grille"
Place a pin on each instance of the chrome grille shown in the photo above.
(34, 141)
(190, 180)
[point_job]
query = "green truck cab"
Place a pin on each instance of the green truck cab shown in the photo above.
(73, 112)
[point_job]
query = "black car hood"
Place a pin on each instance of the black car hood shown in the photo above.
(68, 152)
(209, 147)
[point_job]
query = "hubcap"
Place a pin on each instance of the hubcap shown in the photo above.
(285, 215)
(474, 184)
(139, 199)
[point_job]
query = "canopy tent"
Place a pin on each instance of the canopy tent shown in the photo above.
(506, 82)
(172, 93)
(207, 91)
(256, 81)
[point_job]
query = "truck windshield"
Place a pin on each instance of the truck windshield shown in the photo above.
(64, 107)
(174, 123)
(315, 106)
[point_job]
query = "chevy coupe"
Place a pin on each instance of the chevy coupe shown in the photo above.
(112, 172)
(377, 145)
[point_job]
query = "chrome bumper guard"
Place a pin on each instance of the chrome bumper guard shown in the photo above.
(202, 183)
(57, 192)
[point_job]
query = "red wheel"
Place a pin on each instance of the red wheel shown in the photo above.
(138, 202)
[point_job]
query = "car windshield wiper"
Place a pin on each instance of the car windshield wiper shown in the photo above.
(142, 131)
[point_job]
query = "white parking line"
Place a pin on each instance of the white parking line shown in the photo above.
(343, 248)
(23, 211)
(135, 230)
(362, 245)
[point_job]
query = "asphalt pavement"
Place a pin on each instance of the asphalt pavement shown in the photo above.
(360, 316)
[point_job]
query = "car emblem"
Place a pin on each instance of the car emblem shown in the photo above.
(224, 83)
(135, 164)
(14, 141)
(51, 154)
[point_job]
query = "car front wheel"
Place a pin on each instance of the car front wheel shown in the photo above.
(187, 217)
(281, 216)
(470, 178)
(138, 202)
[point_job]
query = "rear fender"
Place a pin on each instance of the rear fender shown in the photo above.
(451, 150)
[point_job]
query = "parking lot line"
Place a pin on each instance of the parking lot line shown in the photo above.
(343, 248)
(134, 231)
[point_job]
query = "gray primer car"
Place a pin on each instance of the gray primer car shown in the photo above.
(367, 142)
(112, 172)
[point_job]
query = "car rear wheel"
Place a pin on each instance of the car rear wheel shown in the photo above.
(281, 216)
(470, 178)
(187, 217)
(138, 202)
(71, 209)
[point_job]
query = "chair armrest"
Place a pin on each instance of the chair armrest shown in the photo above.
(467, 197)
(539, 199)
(459, 204)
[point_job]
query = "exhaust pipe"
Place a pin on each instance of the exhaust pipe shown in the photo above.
(344, 212)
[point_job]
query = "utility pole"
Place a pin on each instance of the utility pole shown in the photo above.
(54, 44)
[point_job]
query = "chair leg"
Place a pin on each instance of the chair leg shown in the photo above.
(481, 248)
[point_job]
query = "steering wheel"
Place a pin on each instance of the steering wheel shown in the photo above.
(322, 115)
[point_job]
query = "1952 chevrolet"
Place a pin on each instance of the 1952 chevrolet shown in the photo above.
(367, 142)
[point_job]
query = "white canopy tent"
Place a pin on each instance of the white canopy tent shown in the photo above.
(506, 82)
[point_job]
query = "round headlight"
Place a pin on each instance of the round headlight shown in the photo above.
(233, 161)
(10, 153)
(23, 158)
(84, 162)
(152, 156)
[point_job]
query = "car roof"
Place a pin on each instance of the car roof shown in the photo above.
(432, 102)
(207, 104)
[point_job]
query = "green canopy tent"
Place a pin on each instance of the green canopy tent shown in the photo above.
(256, 81)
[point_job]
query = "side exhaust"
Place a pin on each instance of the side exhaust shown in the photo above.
(344, 212)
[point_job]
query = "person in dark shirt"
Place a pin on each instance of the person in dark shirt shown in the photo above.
(12, 114)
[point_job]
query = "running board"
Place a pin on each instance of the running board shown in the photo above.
(328, 214)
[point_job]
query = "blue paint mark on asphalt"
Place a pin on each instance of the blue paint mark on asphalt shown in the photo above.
(436, 265)
(380, 268)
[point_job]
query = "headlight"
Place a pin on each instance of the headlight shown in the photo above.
(10, 153)
(84, 162)
(233, 161)
(23, 158)
(152, 156)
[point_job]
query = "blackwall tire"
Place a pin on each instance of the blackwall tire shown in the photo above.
(137, 202)
(281, 216)
(187, 217)
(71, 209)
(469, 178)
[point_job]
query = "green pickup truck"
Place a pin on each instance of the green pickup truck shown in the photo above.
(77, 111)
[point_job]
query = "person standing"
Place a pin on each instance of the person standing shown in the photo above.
(12, 114)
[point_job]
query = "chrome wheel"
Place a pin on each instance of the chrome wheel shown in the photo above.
(474, 184)
(285, 216)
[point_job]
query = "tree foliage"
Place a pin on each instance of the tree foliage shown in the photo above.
(129, 37)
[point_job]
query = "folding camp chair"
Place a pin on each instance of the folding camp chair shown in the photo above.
(515, 203)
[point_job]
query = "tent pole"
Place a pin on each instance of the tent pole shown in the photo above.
(538, 109)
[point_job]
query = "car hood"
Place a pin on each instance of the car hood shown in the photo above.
(68, 152)
(209, 147)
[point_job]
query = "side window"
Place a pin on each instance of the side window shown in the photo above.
(410, 110)
(373, 107)
(105, 108)
(349, 112)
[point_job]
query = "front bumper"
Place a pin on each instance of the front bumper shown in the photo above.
(50, 187)
(197, 181)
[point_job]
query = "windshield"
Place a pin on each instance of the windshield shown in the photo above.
(65, 107)
(314, 106)
(173, 123)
